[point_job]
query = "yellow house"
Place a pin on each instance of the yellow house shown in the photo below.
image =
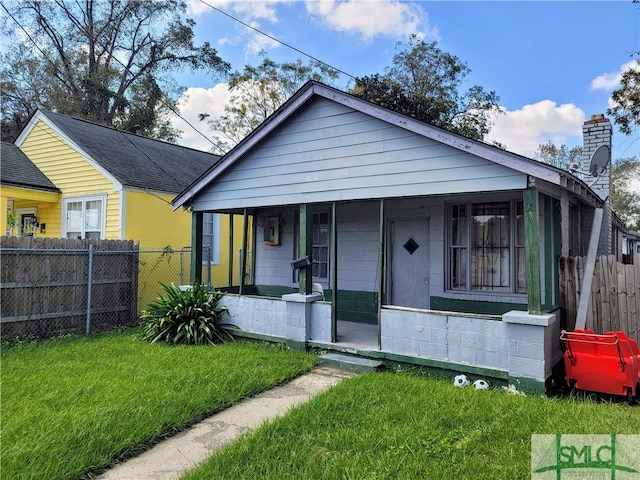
(66, 177)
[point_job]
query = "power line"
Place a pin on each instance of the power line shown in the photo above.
(277, 40)
(166, 104)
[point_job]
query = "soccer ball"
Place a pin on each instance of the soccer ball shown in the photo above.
(461, 381)
(480, 385)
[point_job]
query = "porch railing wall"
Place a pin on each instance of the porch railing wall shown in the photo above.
(614, 304)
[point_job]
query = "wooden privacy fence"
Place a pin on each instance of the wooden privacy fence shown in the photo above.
(55, 286)
(614, 304)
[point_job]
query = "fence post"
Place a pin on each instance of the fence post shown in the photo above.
(89, 280)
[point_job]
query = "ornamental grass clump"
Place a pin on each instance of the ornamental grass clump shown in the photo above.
(192, 317)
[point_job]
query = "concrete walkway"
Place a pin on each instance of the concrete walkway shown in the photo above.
(171, 458)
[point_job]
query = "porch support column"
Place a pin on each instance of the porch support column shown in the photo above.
(380, 268)
(254, 236)
(305, 276)
(196, 247)
(532, 250)
(231, 248)
(564, 224)
(243, 260)
(334, 272)
(298, 305)
(548, 253)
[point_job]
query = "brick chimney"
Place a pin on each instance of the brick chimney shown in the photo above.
(596, 132)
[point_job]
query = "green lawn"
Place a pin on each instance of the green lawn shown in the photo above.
(75, 405)
(404, 426)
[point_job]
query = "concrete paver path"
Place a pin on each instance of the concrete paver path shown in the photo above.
(171, 458)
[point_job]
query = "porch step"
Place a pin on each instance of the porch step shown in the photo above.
(351, 363)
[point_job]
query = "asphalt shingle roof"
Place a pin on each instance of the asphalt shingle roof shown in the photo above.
(18, 171)
(135, 161)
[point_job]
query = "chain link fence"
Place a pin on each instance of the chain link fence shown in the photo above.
(52, 287)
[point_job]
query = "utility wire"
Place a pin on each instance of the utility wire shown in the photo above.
(169, 106)
(166, 104)
(125, 135)
(277, 40)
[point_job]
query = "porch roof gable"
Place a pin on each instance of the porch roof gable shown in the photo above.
(518, 163)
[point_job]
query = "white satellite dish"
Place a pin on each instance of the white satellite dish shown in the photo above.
(599, 160)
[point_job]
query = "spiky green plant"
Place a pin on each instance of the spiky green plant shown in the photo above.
(193, 317)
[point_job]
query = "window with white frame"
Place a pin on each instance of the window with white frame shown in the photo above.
(486, 247)
(320, 246)
(210, 238)
(320, 256)
(84, 217)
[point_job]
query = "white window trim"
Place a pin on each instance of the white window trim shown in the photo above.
(468, 292)
(215, 255)
(296, 254)
(84, 199)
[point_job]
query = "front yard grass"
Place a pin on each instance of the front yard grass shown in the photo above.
(75, 405)
(406, 426)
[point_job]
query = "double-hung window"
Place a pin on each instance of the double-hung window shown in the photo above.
(486, 247)
(84, 217)
(210, 238)
(320, 246)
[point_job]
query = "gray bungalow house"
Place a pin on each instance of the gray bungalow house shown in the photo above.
(381, 236)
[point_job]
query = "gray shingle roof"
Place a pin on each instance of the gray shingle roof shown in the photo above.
(17, 170)
(135, 161)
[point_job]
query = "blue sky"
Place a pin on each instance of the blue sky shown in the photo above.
(552, 63)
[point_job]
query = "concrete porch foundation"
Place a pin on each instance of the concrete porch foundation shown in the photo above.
(515, 348)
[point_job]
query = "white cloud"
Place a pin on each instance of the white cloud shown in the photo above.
(196, 7)
(194, 102)
(254, 9)
(248, 12)
(523, 130)
(611, 80)
(257, 42)
(373, 18)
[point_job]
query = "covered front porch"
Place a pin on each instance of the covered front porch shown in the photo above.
(500, 333)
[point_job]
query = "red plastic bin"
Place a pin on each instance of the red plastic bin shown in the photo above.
(606, 363)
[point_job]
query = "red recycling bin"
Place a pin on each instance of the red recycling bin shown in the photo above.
(606, 363)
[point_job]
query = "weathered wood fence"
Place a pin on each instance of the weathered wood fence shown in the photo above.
(55, 286)
(614, 304)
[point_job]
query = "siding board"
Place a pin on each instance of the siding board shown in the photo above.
(329, 152)
(72, 174)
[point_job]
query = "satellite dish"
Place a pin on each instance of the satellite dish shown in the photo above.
(599, 160)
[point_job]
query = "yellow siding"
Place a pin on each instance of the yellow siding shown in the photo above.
(220, 273)
(72, 174)
(148, 217)
(151, 220)
(48, 213)
(4, 205)
(46, 204)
